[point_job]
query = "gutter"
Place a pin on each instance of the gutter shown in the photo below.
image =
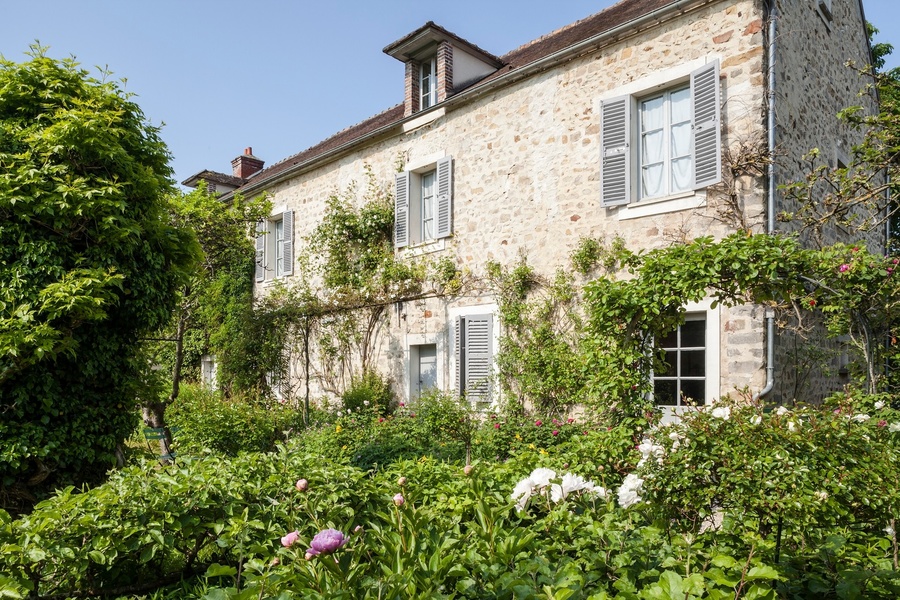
(633, 27)
(771, 14)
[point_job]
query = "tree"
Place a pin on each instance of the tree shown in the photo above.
(218, 291)
(88, 264)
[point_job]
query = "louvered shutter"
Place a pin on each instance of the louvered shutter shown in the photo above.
(615, 161)
(444, 212)
(401, 210)
(707, 139)
(260, 250)
(459, 355)
(478, 357)
(288, 247)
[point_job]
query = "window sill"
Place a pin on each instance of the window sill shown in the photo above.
(425, 248)
(666, 204)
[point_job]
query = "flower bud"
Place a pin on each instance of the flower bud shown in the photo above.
(301, 485)
(401, 482)
(468, 469)
(399, 500)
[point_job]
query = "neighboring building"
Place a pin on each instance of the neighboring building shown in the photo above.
(618, 124)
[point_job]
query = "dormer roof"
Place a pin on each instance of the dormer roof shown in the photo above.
(429, 36)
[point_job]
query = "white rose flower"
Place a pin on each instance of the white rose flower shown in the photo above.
(756, 419)
(894, 427)
(722, 412)
(629, 491)
(879, 405)
(782, 410)
(861, 417)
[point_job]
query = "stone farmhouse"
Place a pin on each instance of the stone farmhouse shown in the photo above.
(624, 123)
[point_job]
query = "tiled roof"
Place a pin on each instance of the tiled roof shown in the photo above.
(605, 20)
(215, 177)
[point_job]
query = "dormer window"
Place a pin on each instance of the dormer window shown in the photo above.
(428, 83)
(438, 64)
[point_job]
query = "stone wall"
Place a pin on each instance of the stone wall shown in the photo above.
(526, 165)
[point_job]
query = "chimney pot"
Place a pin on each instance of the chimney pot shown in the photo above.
(248, 150)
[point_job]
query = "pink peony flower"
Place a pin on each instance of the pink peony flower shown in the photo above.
(290, 538)
(570, 420)
(301, 485)
(496, 425)
(844, 268)
(326, 542)
(555, 432)
(399, 500)
(882, 423)
(538, 423)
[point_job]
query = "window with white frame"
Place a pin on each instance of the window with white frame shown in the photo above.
(662, 141)
(689, 373)
(427, 83)
(423, 204)
(680, 379)
(473, 342)
(275, 247)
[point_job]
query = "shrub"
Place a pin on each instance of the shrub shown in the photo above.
(228, 425)
(369, 390)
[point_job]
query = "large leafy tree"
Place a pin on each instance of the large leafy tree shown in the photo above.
(88, 264)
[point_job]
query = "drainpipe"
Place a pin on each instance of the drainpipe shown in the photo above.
(770, 200)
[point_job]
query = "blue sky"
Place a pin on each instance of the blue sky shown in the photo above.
(278, 75)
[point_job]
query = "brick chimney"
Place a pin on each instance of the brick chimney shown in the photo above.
(246, 165)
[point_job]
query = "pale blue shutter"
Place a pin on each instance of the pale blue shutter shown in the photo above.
(478, 357)
(615, 158)
(260, 251)
(288, 246)
(444, 210)
(707, 139)
(401, 210)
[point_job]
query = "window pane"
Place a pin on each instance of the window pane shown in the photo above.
(680, 101)
(693, 334)
(652, 150)
(652, 115)
(665, 392)
(670, 340)
(666, 366)
(693, 363)
(694, 392)
(681, 140)
(681, 175)
(652, 181)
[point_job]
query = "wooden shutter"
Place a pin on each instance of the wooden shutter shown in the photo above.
(478, 357)
(288, 246)
(444, 205)
(615, 160)
(707, 139)
(459, 355)
(401, 210)
(260, 251)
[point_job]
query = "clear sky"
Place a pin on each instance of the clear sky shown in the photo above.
(278, 75)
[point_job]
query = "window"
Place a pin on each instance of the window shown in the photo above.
(275, 247)
(661, 142)
(209, 371)
(665, 143)
(423, 369)
(427, 83)
(423, 204)
(473, 353)
(682, 379)
(824, 7)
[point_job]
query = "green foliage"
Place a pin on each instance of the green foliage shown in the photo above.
(369, 390)
(458, 534)
(88, 264)
(239, 423)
